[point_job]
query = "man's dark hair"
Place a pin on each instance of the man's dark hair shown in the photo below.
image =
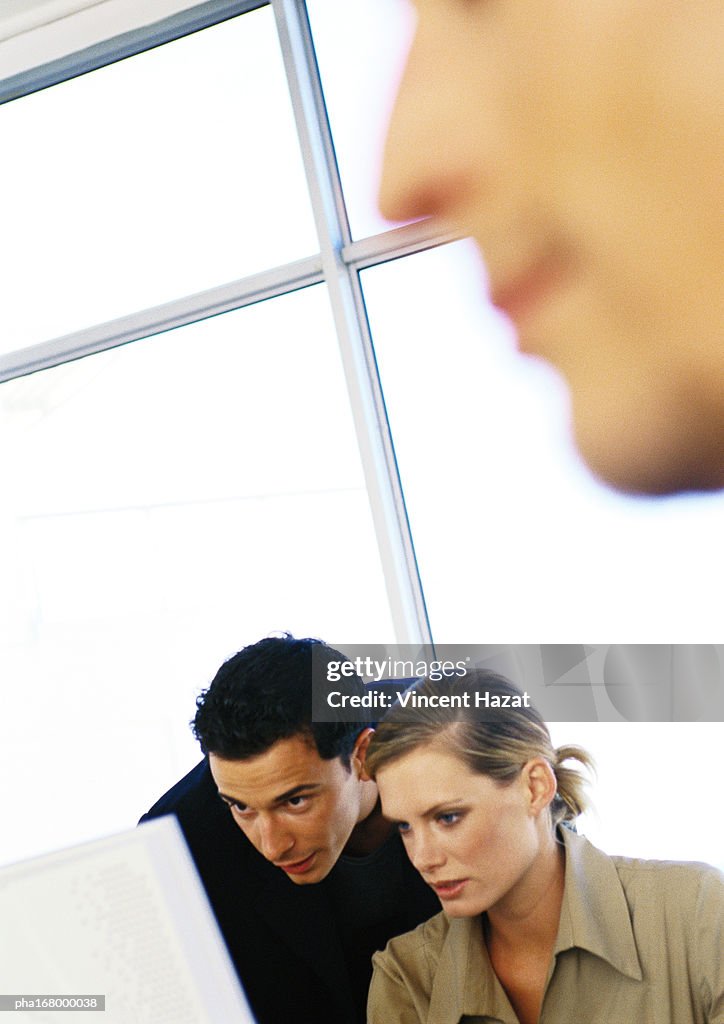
(264, 694)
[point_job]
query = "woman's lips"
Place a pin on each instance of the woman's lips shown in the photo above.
(449, 890)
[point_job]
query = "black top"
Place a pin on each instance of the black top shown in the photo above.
(292, 946)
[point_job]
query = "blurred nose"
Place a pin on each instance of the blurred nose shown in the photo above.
(426, 169)
(271, 839)
(424, 852)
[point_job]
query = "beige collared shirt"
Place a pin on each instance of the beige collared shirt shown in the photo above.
(639, 942)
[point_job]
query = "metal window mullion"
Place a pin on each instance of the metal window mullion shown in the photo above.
(127, 44)
(368, 409)
(395, 243)
(356, 255)
(165, 317)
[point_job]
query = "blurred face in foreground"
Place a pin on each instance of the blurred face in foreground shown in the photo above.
(582, 146)
(481, 845)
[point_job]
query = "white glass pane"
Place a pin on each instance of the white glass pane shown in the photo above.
(515, 540)
(163, 505)
(156, 177)
(652, 796)
(350, 39)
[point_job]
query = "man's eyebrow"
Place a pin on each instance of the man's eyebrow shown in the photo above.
(304, 787)
(227, 798)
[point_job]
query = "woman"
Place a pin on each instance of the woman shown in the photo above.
(537, 924)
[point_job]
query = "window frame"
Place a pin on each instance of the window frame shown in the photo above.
(337, 264)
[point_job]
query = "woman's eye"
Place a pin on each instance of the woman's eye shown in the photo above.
(449, 817)
(402, 827)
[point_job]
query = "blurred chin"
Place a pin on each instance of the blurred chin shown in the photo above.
(641, 451)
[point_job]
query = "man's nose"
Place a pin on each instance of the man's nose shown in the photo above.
(402, 191)
(272, 840)
(426, 170)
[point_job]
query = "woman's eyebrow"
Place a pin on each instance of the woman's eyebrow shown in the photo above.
(430, 812)
(444, 804)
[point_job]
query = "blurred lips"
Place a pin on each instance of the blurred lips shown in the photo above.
(522, 295)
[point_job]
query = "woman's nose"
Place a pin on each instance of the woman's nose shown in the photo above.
(425, 853)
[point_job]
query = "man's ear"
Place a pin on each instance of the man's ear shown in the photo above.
(359, 753)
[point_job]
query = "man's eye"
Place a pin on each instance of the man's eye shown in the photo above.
(236, 808)
(402, 827)
(297, 801)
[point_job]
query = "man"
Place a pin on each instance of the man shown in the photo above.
(305, 876)
(581, 145)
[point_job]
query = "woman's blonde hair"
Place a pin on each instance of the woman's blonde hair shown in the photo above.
(494, 741)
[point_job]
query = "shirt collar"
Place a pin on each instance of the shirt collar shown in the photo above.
(594, 917)
(465, 983)
(594, 913)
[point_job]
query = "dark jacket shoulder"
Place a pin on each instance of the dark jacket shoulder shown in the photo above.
(282, 937)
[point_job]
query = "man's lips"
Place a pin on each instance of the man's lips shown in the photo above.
(450, 889)
(521, 295)
(297, 867)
